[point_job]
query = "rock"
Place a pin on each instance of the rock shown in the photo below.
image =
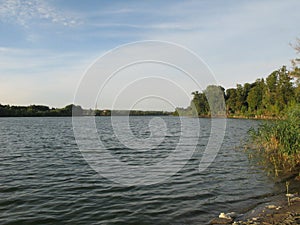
(221, 221)
(271, 206)
(289, 195)
(232, 215)
(224, 216)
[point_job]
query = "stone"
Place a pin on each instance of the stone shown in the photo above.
(290, 195)
(221, 221)
(232, 215)
(224, 216)
(271, 206)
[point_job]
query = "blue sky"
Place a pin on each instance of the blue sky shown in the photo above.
(46, 46)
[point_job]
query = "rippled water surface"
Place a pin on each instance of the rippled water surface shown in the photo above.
(44, 178)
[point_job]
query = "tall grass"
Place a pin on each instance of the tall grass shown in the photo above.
(277, 143)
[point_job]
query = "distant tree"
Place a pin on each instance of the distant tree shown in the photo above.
(242, 94)
(279, 91)
(296, 61)
(295, 73)
(37, 108)
(269, 99)
(199, 104)
(285, 90)
(255, 96)
(231, 100)
(4, 110)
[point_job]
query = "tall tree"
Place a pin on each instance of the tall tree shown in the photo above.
(231, 100)
(255, 96)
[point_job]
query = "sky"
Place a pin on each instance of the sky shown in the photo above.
(46, 47)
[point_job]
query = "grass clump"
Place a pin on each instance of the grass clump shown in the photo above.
(276, 144)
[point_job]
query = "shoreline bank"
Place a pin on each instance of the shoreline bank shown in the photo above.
(274, 210)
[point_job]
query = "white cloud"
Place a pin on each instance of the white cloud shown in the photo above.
(23, 12)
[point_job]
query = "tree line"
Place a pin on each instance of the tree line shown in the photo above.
(69, 110)
(38, 111)
(263, 98)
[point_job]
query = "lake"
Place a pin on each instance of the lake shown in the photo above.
(45, 179)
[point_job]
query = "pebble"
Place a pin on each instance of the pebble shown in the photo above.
(271, 206)
(289, 195)
(292, 219)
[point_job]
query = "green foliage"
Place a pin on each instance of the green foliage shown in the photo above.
(278, 142)
(199, 104)
(208, 103)
(255, 96)
(231, 99)
(265, 98)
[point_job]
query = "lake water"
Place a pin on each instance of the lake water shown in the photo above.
(44, 178)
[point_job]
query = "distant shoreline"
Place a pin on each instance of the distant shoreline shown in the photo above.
(71, 110)
(75, 110)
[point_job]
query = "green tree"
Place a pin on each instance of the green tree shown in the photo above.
(231, 100)
(199, 104)
(255, 96)
(285, 89)
(295, 73)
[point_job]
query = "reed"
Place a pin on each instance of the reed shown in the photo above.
(287, 183)
(277, 143)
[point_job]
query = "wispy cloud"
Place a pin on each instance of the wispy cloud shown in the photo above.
(154, 26)
(24, 12)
